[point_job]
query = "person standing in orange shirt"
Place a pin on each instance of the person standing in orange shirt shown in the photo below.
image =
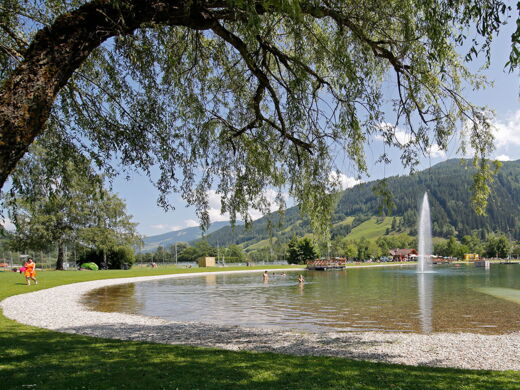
(30, 271)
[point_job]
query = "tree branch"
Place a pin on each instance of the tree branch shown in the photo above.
(241, 47)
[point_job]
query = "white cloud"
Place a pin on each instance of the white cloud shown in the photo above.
(214, 205)
(255, 214)
(436, 152)
(507, 133)
(216, 216)
(270, 195)
(344, 180)
(402, 137)
(191, 223)
(387, 127)
(507, 137)
(158, 226)
(399, 136)
(170, 228)
(7, 224)
(503, 157)
(214, 208)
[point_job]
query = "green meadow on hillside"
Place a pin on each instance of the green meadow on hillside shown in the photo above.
(371, 229)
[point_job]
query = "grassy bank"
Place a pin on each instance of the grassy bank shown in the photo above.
(41, 359)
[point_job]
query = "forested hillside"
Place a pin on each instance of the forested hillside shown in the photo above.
(449, 187)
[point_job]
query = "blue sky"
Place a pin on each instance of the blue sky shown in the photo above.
(503, 97)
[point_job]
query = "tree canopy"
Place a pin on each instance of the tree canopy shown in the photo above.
(54, 204)
(300, 250)
(241, 95)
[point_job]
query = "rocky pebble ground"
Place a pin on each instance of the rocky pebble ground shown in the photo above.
(60, 309)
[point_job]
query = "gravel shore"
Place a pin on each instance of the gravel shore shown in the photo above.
(60, 309)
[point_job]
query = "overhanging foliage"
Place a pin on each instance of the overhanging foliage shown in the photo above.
(241, 95)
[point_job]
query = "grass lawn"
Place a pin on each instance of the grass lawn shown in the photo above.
(32, 358)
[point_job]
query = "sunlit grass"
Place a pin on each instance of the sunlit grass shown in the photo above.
(40, 359)
(370, 229)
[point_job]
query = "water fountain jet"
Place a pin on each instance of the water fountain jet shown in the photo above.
(424, 263)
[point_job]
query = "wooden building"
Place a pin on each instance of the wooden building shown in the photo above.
(206, 261)
(403, 254)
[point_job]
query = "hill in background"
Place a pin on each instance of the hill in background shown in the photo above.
(165, 240)
(357, 214)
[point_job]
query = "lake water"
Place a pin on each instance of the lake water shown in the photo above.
(453, 299)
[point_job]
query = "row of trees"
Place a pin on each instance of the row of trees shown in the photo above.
(183, 252)
(495, 245)
(302, 249)
(296, 251)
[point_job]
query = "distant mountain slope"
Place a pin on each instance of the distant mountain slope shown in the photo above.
(185, 235)
(449, 187)
(372, 228)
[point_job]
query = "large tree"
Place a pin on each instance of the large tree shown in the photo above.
(259, 94)
(300, 250)
(110, 228)
(498, 246)
(54, 203)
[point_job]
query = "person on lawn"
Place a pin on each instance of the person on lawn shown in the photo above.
(30, 271)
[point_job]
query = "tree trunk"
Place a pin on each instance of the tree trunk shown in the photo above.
(57, 51)
(60, 260)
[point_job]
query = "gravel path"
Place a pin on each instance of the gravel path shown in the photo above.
(59, 309)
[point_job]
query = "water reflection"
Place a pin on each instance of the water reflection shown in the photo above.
(211, 280)
(121, 297)
(301, 287)
(425, 290)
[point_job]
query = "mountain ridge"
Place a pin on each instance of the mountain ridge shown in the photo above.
(150, 243)
(449, 187)
(448, 184)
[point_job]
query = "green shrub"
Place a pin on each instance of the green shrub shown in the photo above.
(91, 266)
(121, 257)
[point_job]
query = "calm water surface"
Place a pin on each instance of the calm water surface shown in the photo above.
(464, 299)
